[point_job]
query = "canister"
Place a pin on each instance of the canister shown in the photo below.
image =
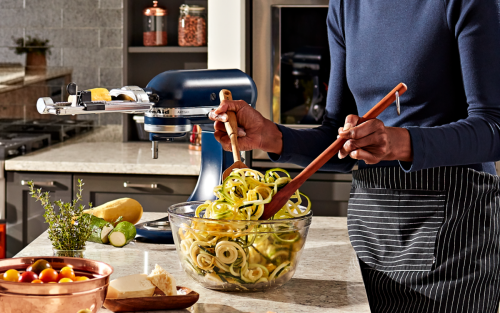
(155, 26)
(192, 26)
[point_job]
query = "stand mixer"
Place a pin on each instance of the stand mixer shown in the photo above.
(172, 102)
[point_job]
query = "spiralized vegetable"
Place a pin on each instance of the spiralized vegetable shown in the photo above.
(238, 252)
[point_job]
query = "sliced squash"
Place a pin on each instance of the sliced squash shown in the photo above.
(128, 208)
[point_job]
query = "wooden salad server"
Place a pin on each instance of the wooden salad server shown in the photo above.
(282, 196)
(232, 132)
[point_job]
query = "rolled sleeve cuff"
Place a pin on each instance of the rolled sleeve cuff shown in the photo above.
(418, 149)
(286, 152)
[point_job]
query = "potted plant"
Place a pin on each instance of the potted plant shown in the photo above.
(69, 228)
(36, 50)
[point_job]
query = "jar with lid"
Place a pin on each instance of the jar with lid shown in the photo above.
(192, 26)
(155, 26)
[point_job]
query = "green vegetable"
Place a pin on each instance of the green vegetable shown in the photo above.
(123, 233)
(100, 230)
(70, 228)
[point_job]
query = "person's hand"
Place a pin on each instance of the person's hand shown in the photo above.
(254, 131)
(373, 142)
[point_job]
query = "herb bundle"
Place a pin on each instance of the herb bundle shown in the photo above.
(69, 228)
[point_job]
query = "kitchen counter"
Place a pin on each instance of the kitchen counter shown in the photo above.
(110, 157)
(327, 279)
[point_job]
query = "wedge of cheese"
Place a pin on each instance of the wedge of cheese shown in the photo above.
(133, 286)
(163, 280)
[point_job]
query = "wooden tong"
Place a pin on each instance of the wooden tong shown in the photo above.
(232, 131)
(282, 196)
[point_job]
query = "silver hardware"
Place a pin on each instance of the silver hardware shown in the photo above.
(398, 106)
(167, 128)
(139, 104)
(150, 186)
(179, 112)
(157, 225)
(154, 149)
(38, 183)
(136, 93)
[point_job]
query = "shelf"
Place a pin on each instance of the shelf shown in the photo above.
(167, 49)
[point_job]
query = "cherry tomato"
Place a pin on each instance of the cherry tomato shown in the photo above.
(65, 280)
(11, 275)
(52, 282)
(67, 272)
(28, 277)
(37, 281)
(81, 278)
(38, 266)
(48, 275)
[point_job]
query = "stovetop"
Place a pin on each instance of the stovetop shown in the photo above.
(59, 129)
(18, 137)
(12, 145)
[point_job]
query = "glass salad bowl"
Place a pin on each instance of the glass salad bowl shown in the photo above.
(237, 255)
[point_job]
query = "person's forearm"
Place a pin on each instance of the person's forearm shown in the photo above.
(399, 144)
(272, 138)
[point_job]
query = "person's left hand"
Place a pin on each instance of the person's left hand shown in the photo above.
(373, 142)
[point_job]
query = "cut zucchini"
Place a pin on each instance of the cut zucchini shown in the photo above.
(123, 233)
(100, 230)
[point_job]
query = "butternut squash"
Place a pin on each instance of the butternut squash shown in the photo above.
(128, 208)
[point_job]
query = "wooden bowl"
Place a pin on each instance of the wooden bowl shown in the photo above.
(157, 302)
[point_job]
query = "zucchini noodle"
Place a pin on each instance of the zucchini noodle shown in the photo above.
(225, 248)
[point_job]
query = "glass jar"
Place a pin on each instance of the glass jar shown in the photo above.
(69, 253)
(155, 26)
(192, 26)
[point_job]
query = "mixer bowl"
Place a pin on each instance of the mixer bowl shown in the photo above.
(55, 298)
(237, 255)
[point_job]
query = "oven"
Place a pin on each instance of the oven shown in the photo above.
(290, 66)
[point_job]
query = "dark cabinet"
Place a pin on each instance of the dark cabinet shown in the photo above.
(329, 194)
(154, 193)
(24, 216)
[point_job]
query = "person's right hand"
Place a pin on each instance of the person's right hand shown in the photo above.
(254, 131)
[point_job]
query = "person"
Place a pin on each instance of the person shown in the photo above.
(423, 216)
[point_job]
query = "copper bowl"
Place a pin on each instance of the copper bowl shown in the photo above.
(55, 298)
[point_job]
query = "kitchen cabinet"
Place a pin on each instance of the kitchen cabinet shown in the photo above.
(24, 216)
(141, 64)
(155, 193)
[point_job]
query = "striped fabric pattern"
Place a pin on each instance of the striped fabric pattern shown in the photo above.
(427, 241)
(395, 230)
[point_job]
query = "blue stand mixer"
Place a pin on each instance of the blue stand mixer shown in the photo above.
(172, 103)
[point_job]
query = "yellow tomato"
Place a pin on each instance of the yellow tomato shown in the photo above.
(37, 281)
(66, 272)
(11, 275)
(81, 278)
(65, 280)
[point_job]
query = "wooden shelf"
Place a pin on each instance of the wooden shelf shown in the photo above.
(167, 49)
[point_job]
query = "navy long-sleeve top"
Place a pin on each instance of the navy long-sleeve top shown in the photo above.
(448, 54)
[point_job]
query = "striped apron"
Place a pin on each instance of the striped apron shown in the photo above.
(427, 241)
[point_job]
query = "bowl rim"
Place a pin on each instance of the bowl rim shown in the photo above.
(19, 264)
(308, 216)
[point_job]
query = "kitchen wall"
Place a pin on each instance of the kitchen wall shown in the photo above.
(85, 35)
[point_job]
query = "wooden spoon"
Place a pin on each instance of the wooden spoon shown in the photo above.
(232, 132)
(282, 196)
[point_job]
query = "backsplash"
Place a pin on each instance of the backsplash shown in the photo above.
(84, 35)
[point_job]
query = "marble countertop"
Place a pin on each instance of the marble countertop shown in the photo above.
(110, 157)
(327, 279)
(18, 77)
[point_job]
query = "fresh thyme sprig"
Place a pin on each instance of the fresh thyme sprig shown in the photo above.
(69, 228)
